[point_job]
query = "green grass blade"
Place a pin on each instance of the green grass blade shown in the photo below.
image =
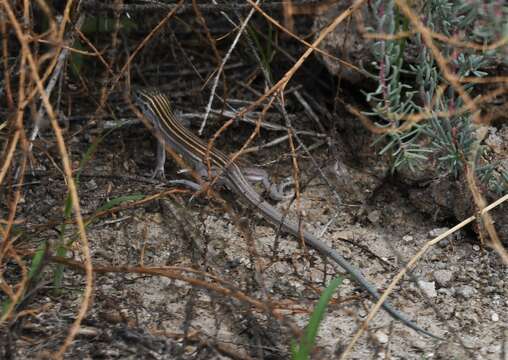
(120, 200)
(33, 274)
(303, 350)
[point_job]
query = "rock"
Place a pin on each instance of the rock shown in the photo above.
(494, 317)
(381, 337)
(88, 331)
(494, 141)
(437, 231)
(493, 349)
(374, 216)
(447, 348)
(443, 277)
(91, 185)
(469, 341)
(466, 291)
(407, 238)
(444, 243)
(446, 291)
(428, 287)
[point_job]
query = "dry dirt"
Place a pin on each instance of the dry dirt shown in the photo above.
(144, 316)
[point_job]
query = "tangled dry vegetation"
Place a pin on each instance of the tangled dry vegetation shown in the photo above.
(389, 115)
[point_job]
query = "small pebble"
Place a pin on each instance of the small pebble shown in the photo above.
(374, 216)
(476, 248)
(466, 291)
(407, 238)
(418, 343)
(469, 341)
(110, 353)
(491, 289)
(494, 349)
(91, 185)
(437, 231)
(495, 317)
(443, 277)
(428, 287)
(381, 337)
(88, 331)
(315, 274)
(444, 243)
(446, 291)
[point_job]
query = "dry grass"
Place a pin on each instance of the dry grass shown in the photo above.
(38, 71)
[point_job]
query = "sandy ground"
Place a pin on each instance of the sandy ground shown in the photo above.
(462, 292)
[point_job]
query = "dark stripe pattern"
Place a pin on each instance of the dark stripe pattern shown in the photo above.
(157, 108)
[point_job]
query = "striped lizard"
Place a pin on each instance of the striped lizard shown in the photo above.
(157, 109)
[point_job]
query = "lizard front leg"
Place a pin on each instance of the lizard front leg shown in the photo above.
(158, 172)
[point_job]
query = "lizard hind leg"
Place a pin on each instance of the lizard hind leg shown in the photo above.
(276, 192)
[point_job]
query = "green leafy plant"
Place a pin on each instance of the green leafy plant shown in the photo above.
(408, 79)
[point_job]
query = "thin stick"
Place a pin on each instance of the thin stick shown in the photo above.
(408, 267)
(221, 68)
